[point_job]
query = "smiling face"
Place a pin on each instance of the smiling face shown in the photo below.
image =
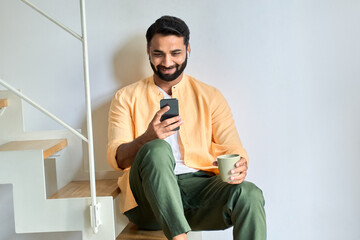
(168, 57)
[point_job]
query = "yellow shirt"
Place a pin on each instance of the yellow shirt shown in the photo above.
(208, 129)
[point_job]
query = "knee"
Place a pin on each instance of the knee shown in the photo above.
(248, 209)
(155, 145)
(155, 153)
(249, 194)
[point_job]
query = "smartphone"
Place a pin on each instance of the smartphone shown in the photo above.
(173, 111)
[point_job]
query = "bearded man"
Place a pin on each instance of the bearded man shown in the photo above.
(170, 178)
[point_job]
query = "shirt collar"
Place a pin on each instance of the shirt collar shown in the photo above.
(176, 87)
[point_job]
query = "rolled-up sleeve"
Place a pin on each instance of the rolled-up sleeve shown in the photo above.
(120, 128)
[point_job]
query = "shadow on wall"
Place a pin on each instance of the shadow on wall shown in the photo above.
(130, 64)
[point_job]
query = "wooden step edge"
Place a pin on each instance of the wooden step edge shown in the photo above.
(4, 103)
(49, 146)
(79, 189)
(57, 146)
(131, 231)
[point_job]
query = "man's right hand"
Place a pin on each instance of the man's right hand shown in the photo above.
(126, 152)
(164, 129)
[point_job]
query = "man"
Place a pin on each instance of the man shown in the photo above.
(170, 179)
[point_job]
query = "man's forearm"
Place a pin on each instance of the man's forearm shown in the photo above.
(126, 152)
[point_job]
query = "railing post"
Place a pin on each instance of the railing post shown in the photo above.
(95, 207)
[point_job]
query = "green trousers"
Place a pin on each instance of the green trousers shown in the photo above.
(193, 201)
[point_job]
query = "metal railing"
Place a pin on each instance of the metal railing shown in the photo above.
(94, 207)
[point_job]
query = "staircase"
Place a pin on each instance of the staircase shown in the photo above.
(47, 193)
(22, 164)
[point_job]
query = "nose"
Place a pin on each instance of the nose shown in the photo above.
(167, 62)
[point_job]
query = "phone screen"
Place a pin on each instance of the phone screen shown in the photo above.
(174, 109)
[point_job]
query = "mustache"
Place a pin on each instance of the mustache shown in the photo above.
(167, 68)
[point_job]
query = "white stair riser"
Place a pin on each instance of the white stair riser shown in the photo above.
(34, 213)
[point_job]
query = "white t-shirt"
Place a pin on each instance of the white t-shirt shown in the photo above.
(174, 140)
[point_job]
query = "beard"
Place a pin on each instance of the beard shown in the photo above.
(169, 77)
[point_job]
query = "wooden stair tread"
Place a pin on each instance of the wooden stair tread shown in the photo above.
(78, 189)
(131, 231)
(49, 146)
(3, 103)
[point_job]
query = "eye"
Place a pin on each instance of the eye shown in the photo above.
(157, 54)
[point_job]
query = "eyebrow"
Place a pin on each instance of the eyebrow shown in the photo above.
(172, 51)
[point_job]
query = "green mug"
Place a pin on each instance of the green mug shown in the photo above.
(226, 163)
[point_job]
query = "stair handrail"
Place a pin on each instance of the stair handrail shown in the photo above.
(40, 108)
(95, 206)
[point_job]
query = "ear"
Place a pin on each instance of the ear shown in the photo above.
(188, 49)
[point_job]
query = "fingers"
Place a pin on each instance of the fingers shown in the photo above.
(238, 178)
(165, 128)
(170, 121)
(161, 112)
(172, 126)
(169, 130)
(241, 162)
(241, 168)
(161, 130)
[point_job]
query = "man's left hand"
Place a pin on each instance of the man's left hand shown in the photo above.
(240, 167)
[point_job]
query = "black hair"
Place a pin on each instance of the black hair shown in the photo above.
(168, 25)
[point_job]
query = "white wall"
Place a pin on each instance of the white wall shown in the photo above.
(289, 69)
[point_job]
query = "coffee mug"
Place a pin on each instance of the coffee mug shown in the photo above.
(226, 163)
